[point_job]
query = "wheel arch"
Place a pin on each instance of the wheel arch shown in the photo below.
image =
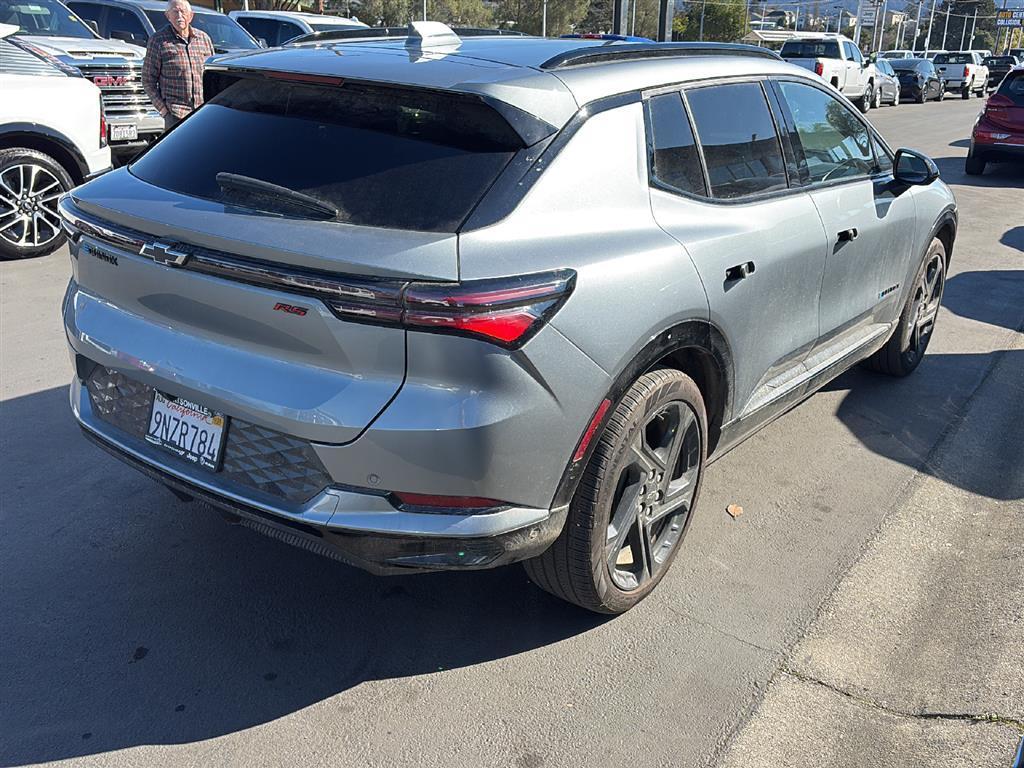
(695, 347)
(49, 142)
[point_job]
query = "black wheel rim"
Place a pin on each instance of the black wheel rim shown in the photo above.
(924, 308)
(653, 496)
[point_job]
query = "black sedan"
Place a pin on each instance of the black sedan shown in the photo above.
(919, 80)
(998, 66)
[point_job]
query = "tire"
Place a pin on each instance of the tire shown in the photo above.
(877, 100)
(864, 102)
(974, 166)
(896, 98)
(921, 97)
(942, 92)
(625, 473)
(904, 350)
(32, 183)
(966, 92)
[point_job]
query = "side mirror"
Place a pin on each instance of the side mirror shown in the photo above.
(913, 168)
(262, 41)
(91, 23)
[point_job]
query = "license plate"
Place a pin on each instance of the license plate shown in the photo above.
(189, 430)
(124, 132)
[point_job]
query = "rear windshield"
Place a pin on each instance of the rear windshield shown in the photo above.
(1013, 88)
(1001, 61)
(909, 65)
(810, 49)
(384, 157)
(954, 58)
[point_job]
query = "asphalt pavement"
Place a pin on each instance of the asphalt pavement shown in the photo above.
(864, 610)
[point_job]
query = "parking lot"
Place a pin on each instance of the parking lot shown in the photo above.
(867, 599)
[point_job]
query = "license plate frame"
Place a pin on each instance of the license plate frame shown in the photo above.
(181, 426)
(127, 132)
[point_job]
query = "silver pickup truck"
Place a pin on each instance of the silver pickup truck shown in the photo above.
(836, 60)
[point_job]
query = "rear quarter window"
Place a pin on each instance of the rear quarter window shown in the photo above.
(384, 157)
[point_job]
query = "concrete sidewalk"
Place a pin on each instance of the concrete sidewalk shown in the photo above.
(917, 659)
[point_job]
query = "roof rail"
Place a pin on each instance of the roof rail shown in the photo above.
(612, 52)
(360, 34)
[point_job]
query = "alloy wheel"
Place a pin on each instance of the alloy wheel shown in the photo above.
(28, 205)
(653, 496)
(926, 299)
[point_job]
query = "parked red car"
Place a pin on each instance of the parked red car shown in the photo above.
(999, 132)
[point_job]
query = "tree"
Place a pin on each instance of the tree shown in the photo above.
(563, 16)
(723, 21)
(961, 19)
(599, 17)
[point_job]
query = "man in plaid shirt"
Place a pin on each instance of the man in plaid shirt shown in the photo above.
(173, 71)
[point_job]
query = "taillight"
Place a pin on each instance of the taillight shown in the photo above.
(503, 311)
(819, 69)
(103, 126)
(967, 72)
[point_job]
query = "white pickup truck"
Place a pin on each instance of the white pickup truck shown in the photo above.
(839, 62)
(52, 137)
(963, 71)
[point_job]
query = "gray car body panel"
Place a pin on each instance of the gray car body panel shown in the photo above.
(395, 410)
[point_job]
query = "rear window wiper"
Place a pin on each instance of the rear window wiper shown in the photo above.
(264, 196)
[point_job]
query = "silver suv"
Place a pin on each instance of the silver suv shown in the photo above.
(437, 304)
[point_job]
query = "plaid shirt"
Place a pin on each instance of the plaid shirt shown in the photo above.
(173, 71)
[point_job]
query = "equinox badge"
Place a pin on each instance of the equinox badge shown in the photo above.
(162, 253)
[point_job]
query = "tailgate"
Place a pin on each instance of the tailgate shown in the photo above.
(268, 353)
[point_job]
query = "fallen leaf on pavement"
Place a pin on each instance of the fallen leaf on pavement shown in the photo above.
(735, 510)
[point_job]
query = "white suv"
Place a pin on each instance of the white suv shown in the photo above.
(52, 137)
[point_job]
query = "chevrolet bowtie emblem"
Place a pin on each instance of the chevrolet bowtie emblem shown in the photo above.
(162, 253)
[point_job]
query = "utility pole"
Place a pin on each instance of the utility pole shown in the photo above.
(917, 26)
(881, 27)
(945, 29)
(544, 18)
(974, 23)
(632, 26)
(931, 21)
(703, 6)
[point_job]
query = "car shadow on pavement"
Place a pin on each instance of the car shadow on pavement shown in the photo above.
(961, 143)
(951, 170)
(133, 619)
(993, 297)
(906, 419)
(1014, 238)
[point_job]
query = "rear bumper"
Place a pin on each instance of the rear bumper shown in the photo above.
(997, 151)
(356, 527)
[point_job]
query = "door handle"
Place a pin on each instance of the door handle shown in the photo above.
(847, 235)
(740, 271)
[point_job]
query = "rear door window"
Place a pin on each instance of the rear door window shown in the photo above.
(383, 157)
(739, 140)
(675, 159)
